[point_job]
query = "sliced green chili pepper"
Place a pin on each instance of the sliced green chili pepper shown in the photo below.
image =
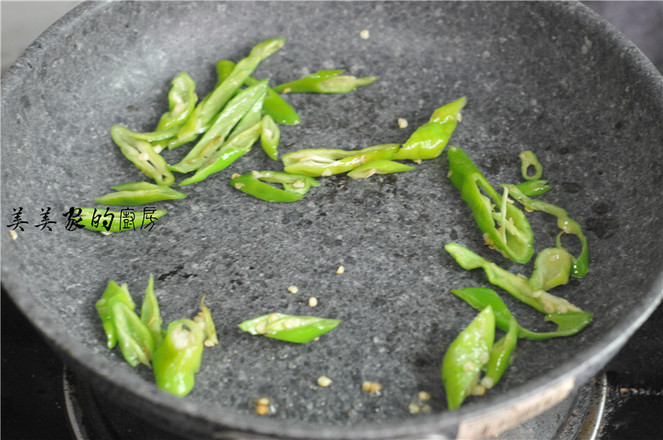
(269, 137)
(529, 159)
(138, 193)
(112, 294)
(204, 320)
(552, 268)
(428, 141)
(569, 323)
(150, 314)
(514, 237)
(326, 162)
(135, 339)
(224, 155)
(112, 221)
(534, 187)
(181, 101)
(236, 109)
(325, 81)
(378, 166)
(564, 222)
(517, 285)
(298, 329)
(466, 356)
(500, 356)
(223, 70)
(294, 185)
(142, 155)
(205, 112)
(177, 359)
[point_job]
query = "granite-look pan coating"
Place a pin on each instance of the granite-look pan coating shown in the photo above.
(549, 77)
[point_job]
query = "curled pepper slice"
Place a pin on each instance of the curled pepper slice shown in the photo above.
(580, 265)
(177, 359)
(500, 356)
(568, 323)
(466, 356)
(529, 159)
(327, 161)
(142, 155)
(135, 339)
(534, 187)
(552, 268)
(181, 102)
(269, 137)
(294, 185)
(150, 313)
(297, 329)
(138, 193)
(507, 229)
(378, 166)
(112, 294)
(325, 81)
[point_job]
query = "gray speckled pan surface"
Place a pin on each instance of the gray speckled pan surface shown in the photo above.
(543, 76)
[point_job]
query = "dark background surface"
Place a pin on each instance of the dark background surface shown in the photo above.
(32, 395)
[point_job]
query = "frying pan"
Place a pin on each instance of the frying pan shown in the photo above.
(550, 77)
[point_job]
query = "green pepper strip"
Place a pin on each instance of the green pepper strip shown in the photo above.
(138, 193)
(325, 81)
(378, 166)
(568, 323)
(297, 329)
(204, 320)
(150, 314)
(516, 285)
(178, 358)
(142, 155)
(500, 356)
(209, 107)
(86, 218)
(326, 162)
(236, 109)
(534, 187)
(294, 185)
(112, 294)
(428, 140)
(564, 222)
(514, 237)
(134, 337)
(529, 159)
(274, 105)
(552, 268)
(225, 154)
(181, 102)
(269, 137)
(466, 356)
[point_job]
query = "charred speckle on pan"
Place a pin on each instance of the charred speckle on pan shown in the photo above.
(603, 227)
(165, 276)
(601, 208)
(571, 187)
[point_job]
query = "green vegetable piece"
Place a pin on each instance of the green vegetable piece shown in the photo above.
(517, 285)
(569, 323)
(269, 137)
(295, 186)
(205, 321)
(580, 264)
(141, 154)
(325, 81)
(135, 339)
(139, 193)
(205, 112)
(378, 166)
(223, 70)
(177, 359)
(428, 141)
(181, 101)
(150, 313)
(326, 162)
(297, 329)
(507, 229)
(500, 356)
(466, 356)
(552, 268)
(534, 187)
(107, 221)
(529, 159)
(236, 109)
(112, 294)
(227, 153)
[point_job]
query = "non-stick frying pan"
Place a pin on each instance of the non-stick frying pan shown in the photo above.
(550, 77)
